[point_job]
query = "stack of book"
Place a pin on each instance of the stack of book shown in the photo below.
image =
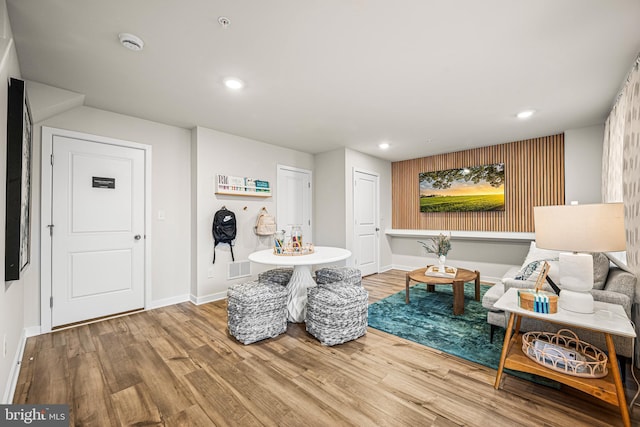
(249, 184)
(439, 271)
(262, 186)
(538, 301)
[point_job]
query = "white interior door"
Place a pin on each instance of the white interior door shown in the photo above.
(294, 201)
(365, 212)
(97, 238)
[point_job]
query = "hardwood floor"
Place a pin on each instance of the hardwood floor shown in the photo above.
(177, 366)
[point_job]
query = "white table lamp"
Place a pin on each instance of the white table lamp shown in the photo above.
(579, 228)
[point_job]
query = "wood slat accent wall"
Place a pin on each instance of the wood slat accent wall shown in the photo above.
(534, 176)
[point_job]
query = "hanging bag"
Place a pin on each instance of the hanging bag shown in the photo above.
(224, 230)
(266, 223)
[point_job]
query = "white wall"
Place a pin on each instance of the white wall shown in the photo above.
(330, 199)
(492, 258)
(12, 305)
(193, 225)
(356, 159)
(583, 164)
(170, 184)
(222, 153)
(334, 198)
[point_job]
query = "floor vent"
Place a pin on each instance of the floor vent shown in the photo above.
(238, 269)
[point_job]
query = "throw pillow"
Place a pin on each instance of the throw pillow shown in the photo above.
(600, 269)
(534, 261)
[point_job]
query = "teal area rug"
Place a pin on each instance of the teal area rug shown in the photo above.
(429, 320)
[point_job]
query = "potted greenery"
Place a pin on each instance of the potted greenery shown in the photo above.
(439, 245)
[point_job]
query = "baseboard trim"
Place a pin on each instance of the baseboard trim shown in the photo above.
(208, 298)
(33, 331)
(168, 301)
(12, 382)
(402, 267)
(385, 268)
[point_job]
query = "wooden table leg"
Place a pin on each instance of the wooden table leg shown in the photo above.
(458, 297)
(505, 350)
(477, 285)
(518, 322)
(622, 400)
(431, 288)
(406, 296)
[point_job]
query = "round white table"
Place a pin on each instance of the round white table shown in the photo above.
(301, 278)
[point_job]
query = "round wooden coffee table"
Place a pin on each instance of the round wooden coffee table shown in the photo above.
(462, 276)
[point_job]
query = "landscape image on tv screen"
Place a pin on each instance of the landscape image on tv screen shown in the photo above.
(472, 189)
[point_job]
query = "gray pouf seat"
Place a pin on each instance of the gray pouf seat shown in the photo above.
(256, 311)
(279, 276)
(348, 275)
(337, 312)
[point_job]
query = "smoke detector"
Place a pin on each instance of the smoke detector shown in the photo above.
(224, 22)
(131, 41)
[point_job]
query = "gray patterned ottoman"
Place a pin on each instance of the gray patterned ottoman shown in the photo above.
(349, 275)
(279, 276)
(256, 311)
(337, 312)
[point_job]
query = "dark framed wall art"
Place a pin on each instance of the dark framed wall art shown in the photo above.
(18, 201)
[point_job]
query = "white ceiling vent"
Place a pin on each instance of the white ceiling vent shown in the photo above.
(131, 41)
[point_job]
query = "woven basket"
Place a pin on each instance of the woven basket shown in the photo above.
(594, 365)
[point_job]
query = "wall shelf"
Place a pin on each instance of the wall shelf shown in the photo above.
(465, 235)
(243, 193)
(238, 186)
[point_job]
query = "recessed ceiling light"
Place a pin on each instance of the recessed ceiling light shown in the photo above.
(233, 83)
(383, 145)
(131, 41)
(525, 114)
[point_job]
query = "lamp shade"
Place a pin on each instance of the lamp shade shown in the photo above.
(580, 228)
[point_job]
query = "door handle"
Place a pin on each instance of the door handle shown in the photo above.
(377, 229)
(137, 237)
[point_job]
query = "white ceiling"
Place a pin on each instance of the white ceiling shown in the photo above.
(427, 76)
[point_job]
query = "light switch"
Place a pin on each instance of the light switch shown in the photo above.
(161, 215)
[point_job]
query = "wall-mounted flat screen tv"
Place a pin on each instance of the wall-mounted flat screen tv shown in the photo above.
(472, 189)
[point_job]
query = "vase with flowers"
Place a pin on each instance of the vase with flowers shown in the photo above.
(440, 246)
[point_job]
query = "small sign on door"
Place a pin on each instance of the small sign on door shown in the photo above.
(100, 182)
